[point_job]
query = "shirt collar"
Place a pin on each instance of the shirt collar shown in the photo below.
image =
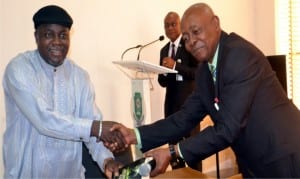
(215, 58)
(176, 42)
(49, 69)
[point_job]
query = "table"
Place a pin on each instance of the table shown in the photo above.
(183, 173)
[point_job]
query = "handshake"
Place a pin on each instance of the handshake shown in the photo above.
(115, 136)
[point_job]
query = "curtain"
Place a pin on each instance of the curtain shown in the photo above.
(287, 15)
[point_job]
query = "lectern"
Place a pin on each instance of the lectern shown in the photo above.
(141, 73)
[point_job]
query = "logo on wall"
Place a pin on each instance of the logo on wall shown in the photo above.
(138, 113)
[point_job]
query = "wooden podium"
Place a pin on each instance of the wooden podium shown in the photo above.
(141, 73)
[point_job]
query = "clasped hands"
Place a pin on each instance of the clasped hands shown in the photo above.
(116, 137)
(168, 62)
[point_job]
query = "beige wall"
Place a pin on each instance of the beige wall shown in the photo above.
(103, 29)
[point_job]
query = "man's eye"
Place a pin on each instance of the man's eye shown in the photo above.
(48, 35)
(196, 32)
(63, 36)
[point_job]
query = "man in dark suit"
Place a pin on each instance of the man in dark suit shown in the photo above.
(249, 108)
(178, 86)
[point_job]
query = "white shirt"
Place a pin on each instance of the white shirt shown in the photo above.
(176, 43)
(48, 114)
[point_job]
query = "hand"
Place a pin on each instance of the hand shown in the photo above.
(162, 158)
(111, 167)
(168, 62)
(127, 133)
(113, 140)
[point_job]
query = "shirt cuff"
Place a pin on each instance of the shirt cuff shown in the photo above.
(138, 138)
(84, 130)
(179, 151)
(174, 66)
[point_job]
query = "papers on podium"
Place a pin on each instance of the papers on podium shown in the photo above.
(141, 69)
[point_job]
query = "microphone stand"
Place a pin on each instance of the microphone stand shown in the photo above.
(138, 46)
(143, 46)
(138, 57)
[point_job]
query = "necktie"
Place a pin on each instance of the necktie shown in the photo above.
(173, 51)
(213, 72)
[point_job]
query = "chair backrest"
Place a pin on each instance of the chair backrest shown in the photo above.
(278, 63)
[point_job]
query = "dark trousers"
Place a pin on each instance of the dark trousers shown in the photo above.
(91, 167)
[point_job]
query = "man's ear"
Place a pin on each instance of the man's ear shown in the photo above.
(36, 36)
(216, 22)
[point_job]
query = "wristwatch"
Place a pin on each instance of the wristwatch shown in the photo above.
(172, 152)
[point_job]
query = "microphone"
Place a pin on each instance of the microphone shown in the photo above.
(161, 38)
(138, 46)
(145, 169)
(138, 168)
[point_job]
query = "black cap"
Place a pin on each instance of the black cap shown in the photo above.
(52, 15)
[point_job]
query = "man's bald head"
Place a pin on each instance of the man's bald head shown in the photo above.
(201, 31)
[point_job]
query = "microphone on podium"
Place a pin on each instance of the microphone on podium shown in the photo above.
(161, 38)
(138, 46)
(137, 169)
(145, 168)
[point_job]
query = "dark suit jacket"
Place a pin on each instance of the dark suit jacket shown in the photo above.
(178, 91)
(255, 116)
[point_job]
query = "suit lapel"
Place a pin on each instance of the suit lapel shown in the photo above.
(220, 63)
(165, 50)
(206, 84)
